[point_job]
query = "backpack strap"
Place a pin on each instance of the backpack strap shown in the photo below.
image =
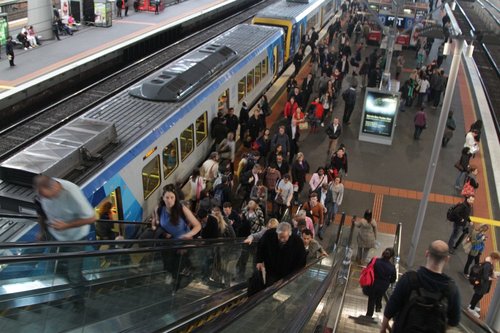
(414, 280)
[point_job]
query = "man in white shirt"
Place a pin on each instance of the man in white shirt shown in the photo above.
(209, 169)
(422, 91)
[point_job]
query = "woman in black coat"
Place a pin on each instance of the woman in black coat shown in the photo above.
(481, 289)
(300, 169)
(385, 274)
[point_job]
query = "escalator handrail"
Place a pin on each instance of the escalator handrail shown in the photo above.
(254, 300)
(35, 217)
(6, 245)
(397, 249)
(178, 245)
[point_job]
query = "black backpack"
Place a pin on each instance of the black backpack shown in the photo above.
(450, 214)
(476, 273)
(425, 311)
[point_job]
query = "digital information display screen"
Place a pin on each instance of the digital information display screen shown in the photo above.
(379, 114)
(4, 29)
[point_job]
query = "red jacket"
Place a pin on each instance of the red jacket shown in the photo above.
(290, 109)
(319, 109)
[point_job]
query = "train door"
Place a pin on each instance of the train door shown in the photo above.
(223, 102)
(113, 206)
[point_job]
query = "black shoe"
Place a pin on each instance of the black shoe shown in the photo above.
(378, 309)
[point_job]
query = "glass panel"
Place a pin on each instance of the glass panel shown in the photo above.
(257, 74)
(187, 142)
(264, 67)
(201, 128)
(250, 81)
(151, 176)
(139, 291)
(170, 158)
(241, 89)
(223, 102)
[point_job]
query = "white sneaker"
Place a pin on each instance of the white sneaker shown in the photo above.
(477, 309)
(322, 124)
(26, 49)
(473, 313)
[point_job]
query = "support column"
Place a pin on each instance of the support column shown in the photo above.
(40, 17)
(436, 148)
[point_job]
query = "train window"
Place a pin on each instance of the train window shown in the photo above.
(257, 73)
(187, 142)
(264, 69)
(242, 85)
(250, 81)
(151, 176)
(201, 128)
(223, 102)
(170, 158)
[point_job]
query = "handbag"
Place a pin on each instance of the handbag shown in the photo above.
(303, 126)
(279, 199)
(467, 245)
(468, 189)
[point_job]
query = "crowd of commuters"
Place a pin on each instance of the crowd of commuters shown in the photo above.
(274, 179)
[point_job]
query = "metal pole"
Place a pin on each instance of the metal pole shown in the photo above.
(391, 40)
(436, 148)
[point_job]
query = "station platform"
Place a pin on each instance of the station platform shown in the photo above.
(94, 42)
(389, 179)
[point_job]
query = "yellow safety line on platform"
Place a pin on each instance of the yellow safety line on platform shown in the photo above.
(485, 171)
(482, 220)
(6, 87)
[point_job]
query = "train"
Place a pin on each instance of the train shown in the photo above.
(128, 147)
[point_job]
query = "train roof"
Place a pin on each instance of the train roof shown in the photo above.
(287, 10)
(138, 122)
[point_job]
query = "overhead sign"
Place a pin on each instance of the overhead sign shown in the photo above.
(379, 116)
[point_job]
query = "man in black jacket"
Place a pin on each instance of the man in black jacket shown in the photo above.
(431, 279)
(349, 97)
(10, 51)
(333, 131)
(460, 219)
(280, 253)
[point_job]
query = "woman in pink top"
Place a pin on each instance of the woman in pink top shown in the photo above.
(317, 179)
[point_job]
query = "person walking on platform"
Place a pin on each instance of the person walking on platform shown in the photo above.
(333, 131)
(55, 27)
(420, 122)
(476, 243)
(349, 97)
(460, 216)
(157, 6)
(385, 274)
(449, 129)
(119, 5)
(127, 4)
(487, 275)
(9, 49)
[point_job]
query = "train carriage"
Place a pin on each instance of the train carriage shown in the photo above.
(296, 19)
(129, 147)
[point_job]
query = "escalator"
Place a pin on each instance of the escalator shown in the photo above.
(137, 292)
(145, 281)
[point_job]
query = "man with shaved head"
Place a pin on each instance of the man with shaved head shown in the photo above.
(426, 300)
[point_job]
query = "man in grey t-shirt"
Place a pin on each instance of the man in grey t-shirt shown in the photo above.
(68, 218)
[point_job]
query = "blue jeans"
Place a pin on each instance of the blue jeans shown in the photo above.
(459, 183)
(457, 229)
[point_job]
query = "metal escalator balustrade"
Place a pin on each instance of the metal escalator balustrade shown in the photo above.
(142, 285)
(288, 304)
